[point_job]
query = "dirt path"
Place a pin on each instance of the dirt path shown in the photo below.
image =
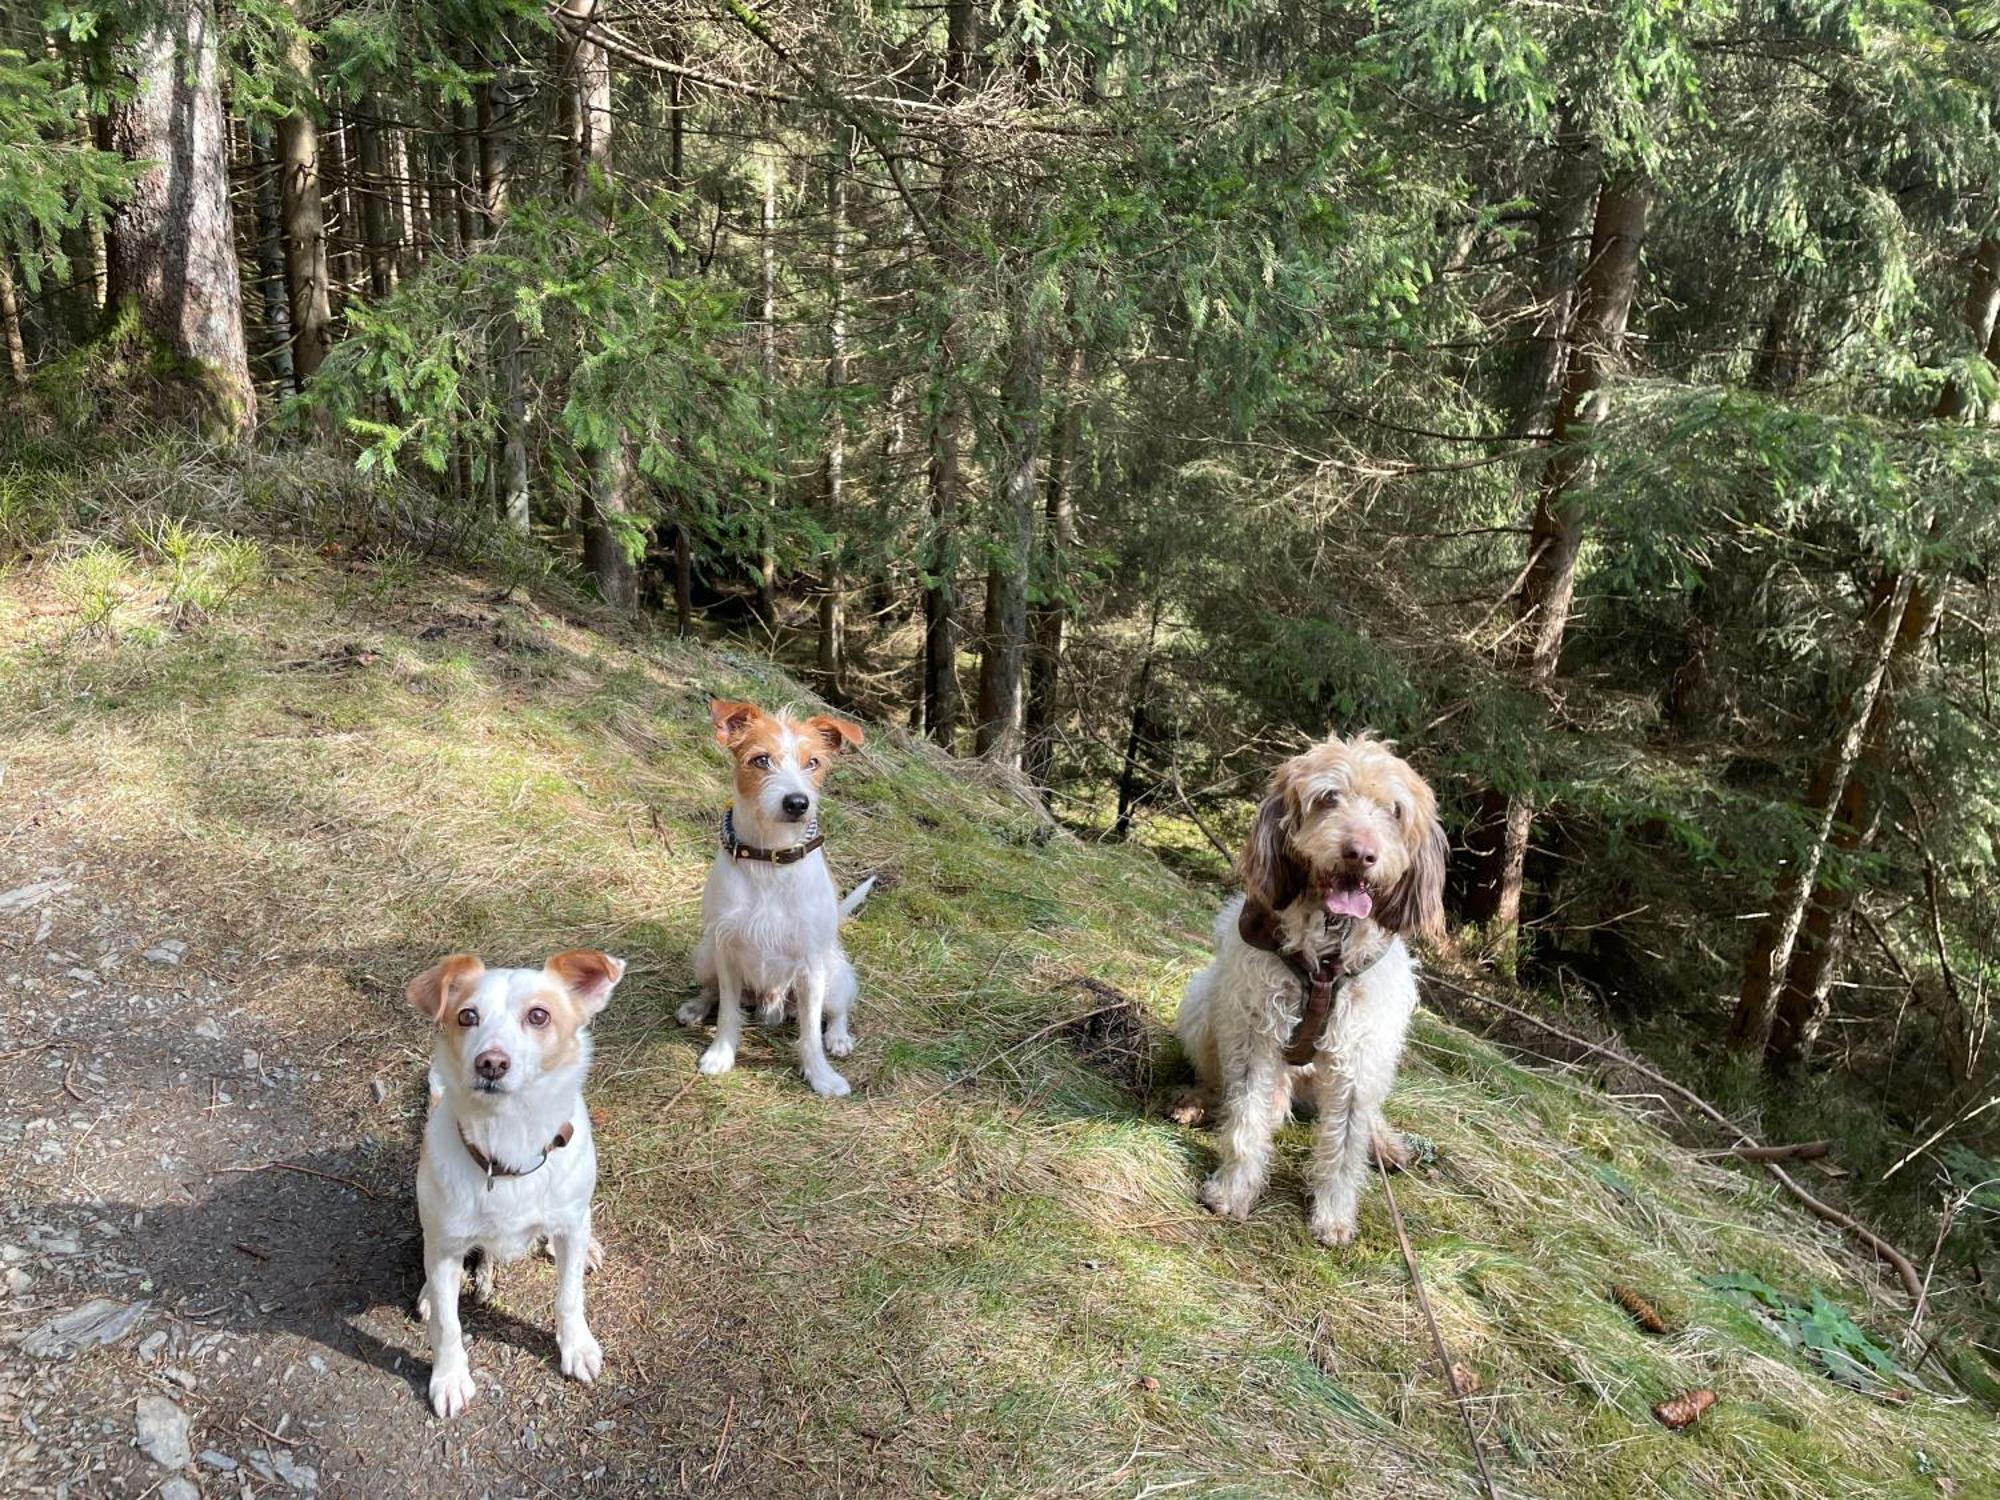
(209, 1246)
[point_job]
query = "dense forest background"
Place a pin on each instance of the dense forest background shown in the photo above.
(1598, 398)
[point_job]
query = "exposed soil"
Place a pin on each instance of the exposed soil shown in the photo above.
(210, 1201)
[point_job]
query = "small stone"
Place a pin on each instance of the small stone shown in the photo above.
(151, 1345)
(94, 1324)
(251, 1061)
(163, 1432)
(318, 1364)
(379, 1089)
(222, 1463)
(180, 1378)
(18, 1282)
(55, 1244)
(180, 1487)
(84, 976)
(23, 897)
(208, 1029)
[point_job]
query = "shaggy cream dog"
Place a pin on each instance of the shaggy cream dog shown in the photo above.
(1311, 988)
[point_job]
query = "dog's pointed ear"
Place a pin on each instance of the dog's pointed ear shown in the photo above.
(1271, 873)
(732, 720)
(587, 974)
(838, 733)
(1415, 904)
(440, 986)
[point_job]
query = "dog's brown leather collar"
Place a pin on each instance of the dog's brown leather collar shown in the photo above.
(493, 1169)
(1258, 926)
(791, 856)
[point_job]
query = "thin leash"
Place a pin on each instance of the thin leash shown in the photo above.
(1437, 1338)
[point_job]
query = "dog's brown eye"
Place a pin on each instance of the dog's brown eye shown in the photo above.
(761, 762)
(538, 1017)
(468, 1017)
(1329, 799)
(1396, 811)
(813, 764)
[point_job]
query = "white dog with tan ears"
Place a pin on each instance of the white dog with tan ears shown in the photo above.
(770, 915)
(1311, 988)
(508, 1158)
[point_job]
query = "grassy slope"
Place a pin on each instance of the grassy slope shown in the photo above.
(363, 766)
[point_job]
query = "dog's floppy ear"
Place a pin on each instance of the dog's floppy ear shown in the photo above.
(1271, 873)
(436, 989)
(838, 733)
(1415, 904)
(732, 720)
(587, 974)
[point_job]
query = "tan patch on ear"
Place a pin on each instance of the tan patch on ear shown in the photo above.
(732, 720)
(436, 989)
(836, 734)
(588, 975)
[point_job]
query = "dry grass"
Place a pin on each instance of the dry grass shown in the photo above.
(987, 1270)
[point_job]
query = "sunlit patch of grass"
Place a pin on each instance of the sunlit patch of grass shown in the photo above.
(987, 1270)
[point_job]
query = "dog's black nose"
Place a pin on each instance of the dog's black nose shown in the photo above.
(795, 804)
(491, 1065)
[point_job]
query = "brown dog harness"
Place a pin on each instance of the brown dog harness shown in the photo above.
(493, 1169)
(1258, 926)
(791, 856)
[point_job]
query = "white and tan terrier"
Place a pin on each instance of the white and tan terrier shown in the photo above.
(770, 914)
(508, 1159)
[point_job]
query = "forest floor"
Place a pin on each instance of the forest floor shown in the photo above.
(247, 789)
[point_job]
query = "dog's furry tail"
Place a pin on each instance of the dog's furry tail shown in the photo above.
(855, 897)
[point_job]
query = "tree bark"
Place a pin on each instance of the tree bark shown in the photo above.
(496, 124)
(1004, 653)
(171, 252)
(946, 469)
(1501, 826)
(1142, 693)
(10, 322)
(832, 599)
(1047, 618)
(588, 118)
(343, 257)
(1605, 293)
(372, 188)
(307, 277)
(766, 603)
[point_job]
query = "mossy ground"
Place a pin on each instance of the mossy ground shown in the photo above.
(987, 1268)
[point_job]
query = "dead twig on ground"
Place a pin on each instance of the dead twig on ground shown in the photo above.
(286, 1166)
(1906, 1272)
(1445, 1364)
(1796, 1151)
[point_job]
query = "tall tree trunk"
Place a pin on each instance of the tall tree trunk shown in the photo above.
(588, 118)
(1771, 949)
(1609, 283)
(10, 322)
(496, 125)
(832, 598)
(307, 276)
(372, 188)
(412, 208)
(83, 244)
(940, 696)
(1790, 980)
(172, 247)
(1499, 833)
(1004, 653)
(1142, 697)
(767, 364)
(272, 297)
(343, 255)
(1046, 618)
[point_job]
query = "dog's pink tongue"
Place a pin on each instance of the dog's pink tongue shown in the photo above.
(1345, 900)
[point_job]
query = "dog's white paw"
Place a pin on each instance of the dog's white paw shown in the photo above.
(1231, 1200)
(718, 1059)
(839, 1043)
(829, 1085)
(582, 1357)
(593, 1255)
(1332, 1232)
(452, 1390)
(693, 1012)
(424, 1304)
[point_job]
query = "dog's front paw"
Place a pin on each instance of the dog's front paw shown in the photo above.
(829, 1085)
(452, 1389)
(582, 1357)
(694, 1012)
(593, 1255)
(1231, 1200)
(840, 1042)
(718, 1059)
(1332, 1226)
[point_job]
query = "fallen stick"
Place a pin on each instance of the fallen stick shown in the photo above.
(1437, 1338)
(1905, 1271)
(286, 1166)
(1796, 1151)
